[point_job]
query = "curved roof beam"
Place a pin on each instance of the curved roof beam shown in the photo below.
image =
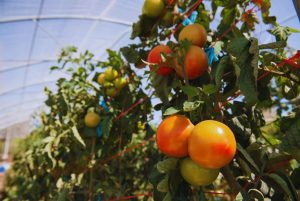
(63, 17)
(26, 64)
(3, 110)
(27, 86)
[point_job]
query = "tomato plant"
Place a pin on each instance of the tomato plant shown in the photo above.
(224, 76)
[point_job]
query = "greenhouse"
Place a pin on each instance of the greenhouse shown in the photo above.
(153, 100)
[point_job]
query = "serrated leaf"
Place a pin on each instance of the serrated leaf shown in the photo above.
(130, 54)
(162, 186)
(162, 87)
(245, 53)
(190, 90)
(171, 111)
(191, 106)
(77, 136)
(220, 69)
(167, 165)
(281, 33)
(292, 137)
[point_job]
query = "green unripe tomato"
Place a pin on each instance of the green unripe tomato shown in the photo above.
(196, 175)
(120, 82)
(101, 79)
(112, 92)
(167, 19)
(153, 8)
(110, 74)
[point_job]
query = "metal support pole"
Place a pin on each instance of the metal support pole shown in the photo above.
(297, 7)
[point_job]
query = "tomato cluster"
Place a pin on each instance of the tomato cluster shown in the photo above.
(209, 144)
(111, 82)
(192, 63)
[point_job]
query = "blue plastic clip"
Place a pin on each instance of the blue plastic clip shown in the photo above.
(99, 131)
(103, 104)
(211, 56)
(99, 197)
(191, 19)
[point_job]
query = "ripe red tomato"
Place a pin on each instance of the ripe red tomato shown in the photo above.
(211, 144)
(172, 135)
(155, 57)
(195, 63)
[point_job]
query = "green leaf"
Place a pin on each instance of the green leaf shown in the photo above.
(245, 54)
(167, 197)
(274, 45)
(130, 54)
(163, 185)
(48, 150)
(281, 183)
(292, 137)
(239, 197)
(210, 89)
(218, 47)
(265, 9)
(77, 136)
(54, 68)
(171, 111)
(247, 157)
(190, 90)
(106, 126)
(281, 33)
(167, 165)
(191, 106)
(162, 87)
(63, 195)
(219, 71)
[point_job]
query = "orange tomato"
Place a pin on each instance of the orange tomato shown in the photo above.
(195, 33)
(91, 119)
(195, 63)
(154, 57)
(172, 135)
(211, 144)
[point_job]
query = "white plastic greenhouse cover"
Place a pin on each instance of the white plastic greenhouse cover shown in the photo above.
(32, 32)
